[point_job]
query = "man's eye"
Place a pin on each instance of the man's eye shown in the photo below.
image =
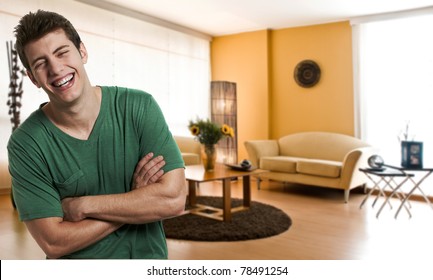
(62, 53)
(39, 64)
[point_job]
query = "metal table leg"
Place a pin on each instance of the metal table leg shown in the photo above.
(394, 193)
(416, 186)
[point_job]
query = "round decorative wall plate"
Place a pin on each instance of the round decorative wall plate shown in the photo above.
(307, 73)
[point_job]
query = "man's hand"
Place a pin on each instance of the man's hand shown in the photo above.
(71, 206)
(148, 171)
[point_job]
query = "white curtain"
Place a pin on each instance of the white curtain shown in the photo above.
(393, 66)
(172, 66)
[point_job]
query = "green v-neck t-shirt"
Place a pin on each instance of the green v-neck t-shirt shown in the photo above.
(48, 165)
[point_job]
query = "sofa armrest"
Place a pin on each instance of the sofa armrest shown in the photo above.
(190, 149)
(351, 177)
(188, 144)
(261, 148)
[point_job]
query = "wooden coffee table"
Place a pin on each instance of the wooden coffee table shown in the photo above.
(195, 174)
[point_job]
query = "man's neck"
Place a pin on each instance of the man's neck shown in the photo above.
(78, 119)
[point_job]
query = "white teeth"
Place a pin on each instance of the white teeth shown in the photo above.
(63, 81)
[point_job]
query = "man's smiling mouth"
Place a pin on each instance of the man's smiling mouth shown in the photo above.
(64, 81)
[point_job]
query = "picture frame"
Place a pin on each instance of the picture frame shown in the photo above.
(412, 154)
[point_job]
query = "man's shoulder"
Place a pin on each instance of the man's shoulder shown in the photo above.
(121, 97)
(124, 91)
(31, 124)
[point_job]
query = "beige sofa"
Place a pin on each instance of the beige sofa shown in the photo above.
(189, 148)
(312, 158)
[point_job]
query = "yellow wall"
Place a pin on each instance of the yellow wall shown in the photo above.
(328, 106)
(243, 59)
(270, 103)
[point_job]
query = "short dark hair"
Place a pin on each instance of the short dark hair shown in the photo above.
(33, 26)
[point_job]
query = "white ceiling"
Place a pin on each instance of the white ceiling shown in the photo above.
(223, 17)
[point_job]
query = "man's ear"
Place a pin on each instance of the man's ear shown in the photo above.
(83, 53)
(32, 78)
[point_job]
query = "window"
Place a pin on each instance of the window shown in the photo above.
(394, 84)
(172, 66)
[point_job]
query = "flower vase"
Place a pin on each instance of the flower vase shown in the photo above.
(208, 156)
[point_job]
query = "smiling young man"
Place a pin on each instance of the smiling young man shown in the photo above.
(84, 176)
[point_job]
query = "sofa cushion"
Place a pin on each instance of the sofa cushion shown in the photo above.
(325, 168)
(279, 164)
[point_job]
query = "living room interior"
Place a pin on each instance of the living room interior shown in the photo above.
(261, 60)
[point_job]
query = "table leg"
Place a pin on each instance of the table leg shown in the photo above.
(227, 208)
(394, 191)
(375, 186)
(246, 182)
(417, 186)
(192, 193)
(382, 190)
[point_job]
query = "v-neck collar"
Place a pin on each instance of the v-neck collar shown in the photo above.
(94, 134)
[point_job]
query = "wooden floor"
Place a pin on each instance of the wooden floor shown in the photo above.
(324, 228)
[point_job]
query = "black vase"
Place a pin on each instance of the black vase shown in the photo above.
(411, 154)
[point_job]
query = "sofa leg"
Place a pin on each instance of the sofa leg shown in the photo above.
(346, 196)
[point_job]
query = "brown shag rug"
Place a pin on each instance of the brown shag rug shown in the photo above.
(260, 221)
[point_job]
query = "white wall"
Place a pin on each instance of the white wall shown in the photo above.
(122, 51)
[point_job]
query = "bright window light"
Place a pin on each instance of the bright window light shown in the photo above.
(396, 85)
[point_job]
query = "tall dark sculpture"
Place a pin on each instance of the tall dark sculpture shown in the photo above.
(16, 74)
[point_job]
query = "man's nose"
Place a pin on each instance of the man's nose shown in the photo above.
(55, 67)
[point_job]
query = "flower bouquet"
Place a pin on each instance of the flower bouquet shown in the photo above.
(209, 134)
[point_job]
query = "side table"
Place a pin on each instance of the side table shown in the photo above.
(416, 186)
(383, 180)
(387, 178)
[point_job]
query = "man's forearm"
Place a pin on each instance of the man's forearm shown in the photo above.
(156, 201)
(58, 238)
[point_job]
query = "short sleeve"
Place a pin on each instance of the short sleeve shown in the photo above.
(155, 135)
(34, 194)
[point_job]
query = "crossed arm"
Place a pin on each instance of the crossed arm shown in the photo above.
(154, 196)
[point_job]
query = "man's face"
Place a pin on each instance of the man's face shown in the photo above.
(57, 66)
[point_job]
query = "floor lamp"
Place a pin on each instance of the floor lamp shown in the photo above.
(224, 111)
